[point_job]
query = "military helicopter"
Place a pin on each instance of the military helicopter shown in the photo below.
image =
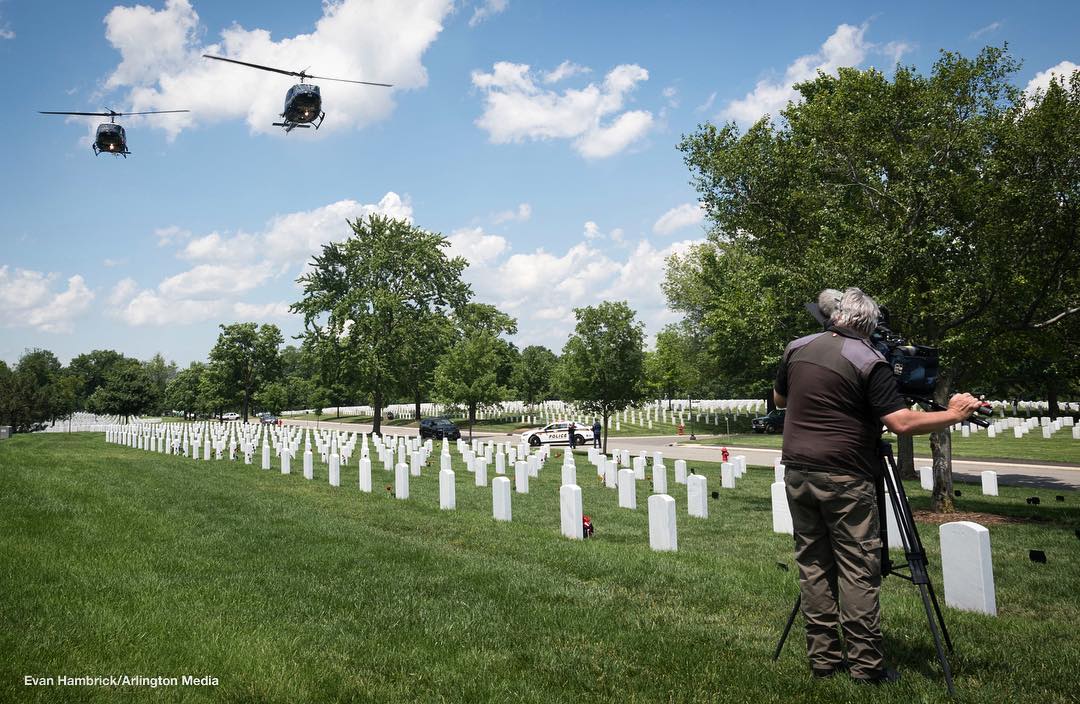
(110, 137)
(303, 103)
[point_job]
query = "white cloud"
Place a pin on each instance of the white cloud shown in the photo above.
(161, 66)
(228, 265)
(847, 46)
(564, 70)
(476, 246)
(6, 32)
(988, 29)
(671, 94)
(215, 279)
(517, 109)
(30, 301)
(1061, 72)
(486, 9)
(262, 311)
(541, 288)
(679, 217)
(170, 235)
(123, 291)
(110, 263)
(707, 105)
(592, 230)
(522, 214)
(150, 308)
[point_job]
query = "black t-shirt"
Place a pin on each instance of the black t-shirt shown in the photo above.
(838, 387)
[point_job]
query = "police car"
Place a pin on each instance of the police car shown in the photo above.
(557, 433)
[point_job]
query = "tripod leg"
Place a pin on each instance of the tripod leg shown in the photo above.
(937, 638)
(940, 618)
(787, 628)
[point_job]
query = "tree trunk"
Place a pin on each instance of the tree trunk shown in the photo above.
(247, 395)
(377, 420)
(905, 456)
(416, 403)
(941, 449)
(1052, 401)
(472, 418)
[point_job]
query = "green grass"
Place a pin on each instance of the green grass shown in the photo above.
(116, 561)
(1032, 447)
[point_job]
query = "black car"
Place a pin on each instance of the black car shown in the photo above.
(772, 423)
(438, 428)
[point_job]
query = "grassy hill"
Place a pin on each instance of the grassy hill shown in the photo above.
(115, 561)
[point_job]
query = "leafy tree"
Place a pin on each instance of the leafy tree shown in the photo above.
(299, 392)
(532, 376)
(31, 396)
(245, 356)
(602, 364)
(92, 368)
(423, 344)
(901, 187)
(364, 298)
(161, 373)
(212, 398)
(272, 397)
(467, 373)
(182, 392)
(129, 390)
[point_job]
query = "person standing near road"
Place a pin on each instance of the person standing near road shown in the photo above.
(572, 430)
(597, 429)
(838, 391)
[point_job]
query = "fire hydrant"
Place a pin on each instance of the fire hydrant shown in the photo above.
(724, 454)
(681, 428)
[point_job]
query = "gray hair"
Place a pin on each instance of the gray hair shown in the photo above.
(828, 301)
(856, 311)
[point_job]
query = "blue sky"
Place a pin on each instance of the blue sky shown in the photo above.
(538, 136)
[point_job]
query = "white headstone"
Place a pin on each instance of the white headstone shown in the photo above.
(697, 496)
(447, 490)
(265, 456)
(569, 474)
(365, 474)
(335, 469)
(967, 568)
(500, 498)
(521, 477)
(286, 462)
(680, 471)
(309, 463)
(662, 529)
(627, 489)
(659, 479)
(570, 511)
(639, 468)
(892, 527)
(401, 480)
(989, 483)
(480, 471)
(778, 472)
(727, 475)
(611, 473)
(781, 512)
(926, 478)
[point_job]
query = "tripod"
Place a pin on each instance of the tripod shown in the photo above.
(913, 553)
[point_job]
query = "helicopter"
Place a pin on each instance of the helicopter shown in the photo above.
(110, 137)
(303, 102)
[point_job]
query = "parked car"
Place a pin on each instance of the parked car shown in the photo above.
(771, 423)
(268, 419)
(230, 416)
(438, 428)
(557, 433)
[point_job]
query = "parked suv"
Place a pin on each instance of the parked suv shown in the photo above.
(772, 423)
(230, 416)
(438, 428)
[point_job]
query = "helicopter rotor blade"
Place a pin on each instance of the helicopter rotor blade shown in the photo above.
(89, 114)
(258, 66)
(150, 112)
(346, 80)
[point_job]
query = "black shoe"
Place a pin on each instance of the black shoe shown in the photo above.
(884, 676)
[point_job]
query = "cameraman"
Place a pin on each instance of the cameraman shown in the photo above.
(838, 391)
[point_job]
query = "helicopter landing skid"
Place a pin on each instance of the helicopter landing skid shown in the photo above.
(102, 151)
(290, 126)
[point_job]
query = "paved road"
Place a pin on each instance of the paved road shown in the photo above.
(1046, 476)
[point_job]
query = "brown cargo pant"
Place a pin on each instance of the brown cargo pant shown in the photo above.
(837, 548)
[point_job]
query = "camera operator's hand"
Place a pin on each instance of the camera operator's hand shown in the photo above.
(963, 405)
